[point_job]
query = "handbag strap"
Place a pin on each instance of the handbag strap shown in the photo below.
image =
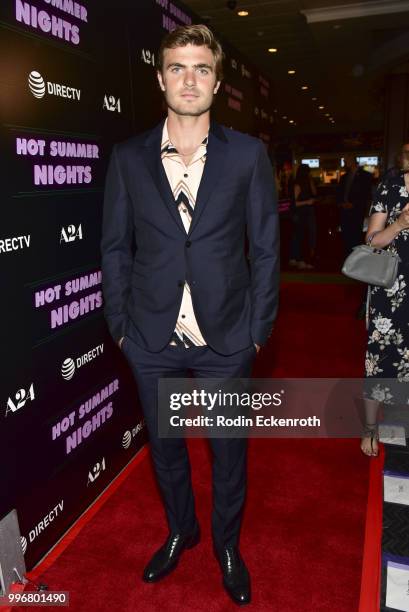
(371, 237)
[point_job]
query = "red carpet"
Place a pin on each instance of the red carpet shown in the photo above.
(371, 566)
(317, 334)
(304, 524)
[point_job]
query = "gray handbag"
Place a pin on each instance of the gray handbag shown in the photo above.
(371, 265)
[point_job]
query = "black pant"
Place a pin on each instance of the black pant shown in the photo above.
(304, 223)
(170, 456)
(351, 227)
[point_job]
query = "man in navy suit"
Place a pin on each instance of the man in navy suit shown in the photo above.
(179, 294)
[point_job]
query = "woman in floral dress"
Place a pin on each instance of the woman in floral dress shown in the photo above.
(387, 354)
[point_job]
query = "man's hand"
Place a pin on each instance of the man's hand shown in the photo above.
(120, 341)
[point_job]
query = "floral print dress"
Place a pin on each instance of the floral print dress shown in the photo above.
(387, 354)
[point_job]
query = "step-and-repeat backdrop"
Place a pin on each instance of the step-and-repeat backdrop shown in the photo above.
(75, 77)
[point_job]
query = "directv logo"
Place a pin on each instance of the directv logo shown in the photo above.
(69, 365)
(38, 87)
(129, 435)
(36, 84)
(68, 368)
(23, 544)
(127, 439)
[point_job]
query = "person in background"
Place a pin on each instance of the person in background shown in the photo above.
(285, 181)
(387, 354)
(400, 157)
(303, 195)
(353, 197)
(391, 173)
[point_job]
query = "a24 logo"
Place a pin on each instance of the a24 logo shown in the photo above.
(111, 103)
(20, 399)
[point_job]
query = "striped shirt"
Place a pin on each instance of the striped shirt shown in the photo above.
(184, 181)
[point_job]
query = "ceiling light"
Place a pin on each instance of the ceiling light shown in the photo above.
(273, 50)
(314, 99)
(243, 13)
(327, 115)
(285, 117)
(304, 87)
(291, 71)
(321, 107)
(291, 121)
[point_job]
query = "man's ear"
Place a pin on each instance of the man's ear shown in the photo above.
(160, 80)
(216, 87)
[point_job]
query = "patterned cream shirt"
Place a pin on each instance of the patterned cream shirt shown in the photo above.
(184, 181)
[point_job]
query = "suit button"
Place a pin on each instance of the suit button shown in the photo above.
(188, 243)
(180, 283)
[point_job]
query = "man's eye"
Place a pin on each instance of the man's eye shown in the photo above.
(203, 70)
(175, 68)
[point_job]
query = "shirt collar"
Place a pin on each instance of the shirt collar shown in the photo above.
(168, 148)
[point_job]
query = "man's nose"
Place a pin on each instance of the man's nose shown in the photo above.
(190, 78)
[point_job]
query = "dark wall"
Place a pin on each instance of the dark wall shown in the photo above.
(71, 85)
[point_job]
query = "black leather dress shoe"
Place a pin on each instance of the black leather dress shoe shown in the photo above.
(236, 578)
(167, 556)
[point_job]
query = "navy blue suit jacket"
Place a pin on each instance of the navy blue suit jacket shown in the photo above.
(147, 254)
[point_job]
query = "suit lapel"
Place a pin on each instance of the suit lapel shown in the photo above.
(215, 159)
(153, 160)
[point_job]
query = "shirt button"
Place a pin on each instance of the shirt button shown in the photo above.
(185, 175)
(183, 316)
(188, 243)
(184, 209)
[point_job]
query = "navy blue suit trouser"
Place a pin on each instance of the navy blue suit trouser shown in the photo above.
(170, 456)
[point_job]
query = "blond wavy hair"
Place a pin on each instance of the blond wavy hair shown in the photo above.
(193, 35)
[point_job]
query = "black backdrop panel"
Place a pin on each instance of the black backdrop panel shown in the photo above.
(71, 85)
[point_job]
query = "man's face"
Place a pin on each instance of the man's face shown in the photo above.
(188, 79)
